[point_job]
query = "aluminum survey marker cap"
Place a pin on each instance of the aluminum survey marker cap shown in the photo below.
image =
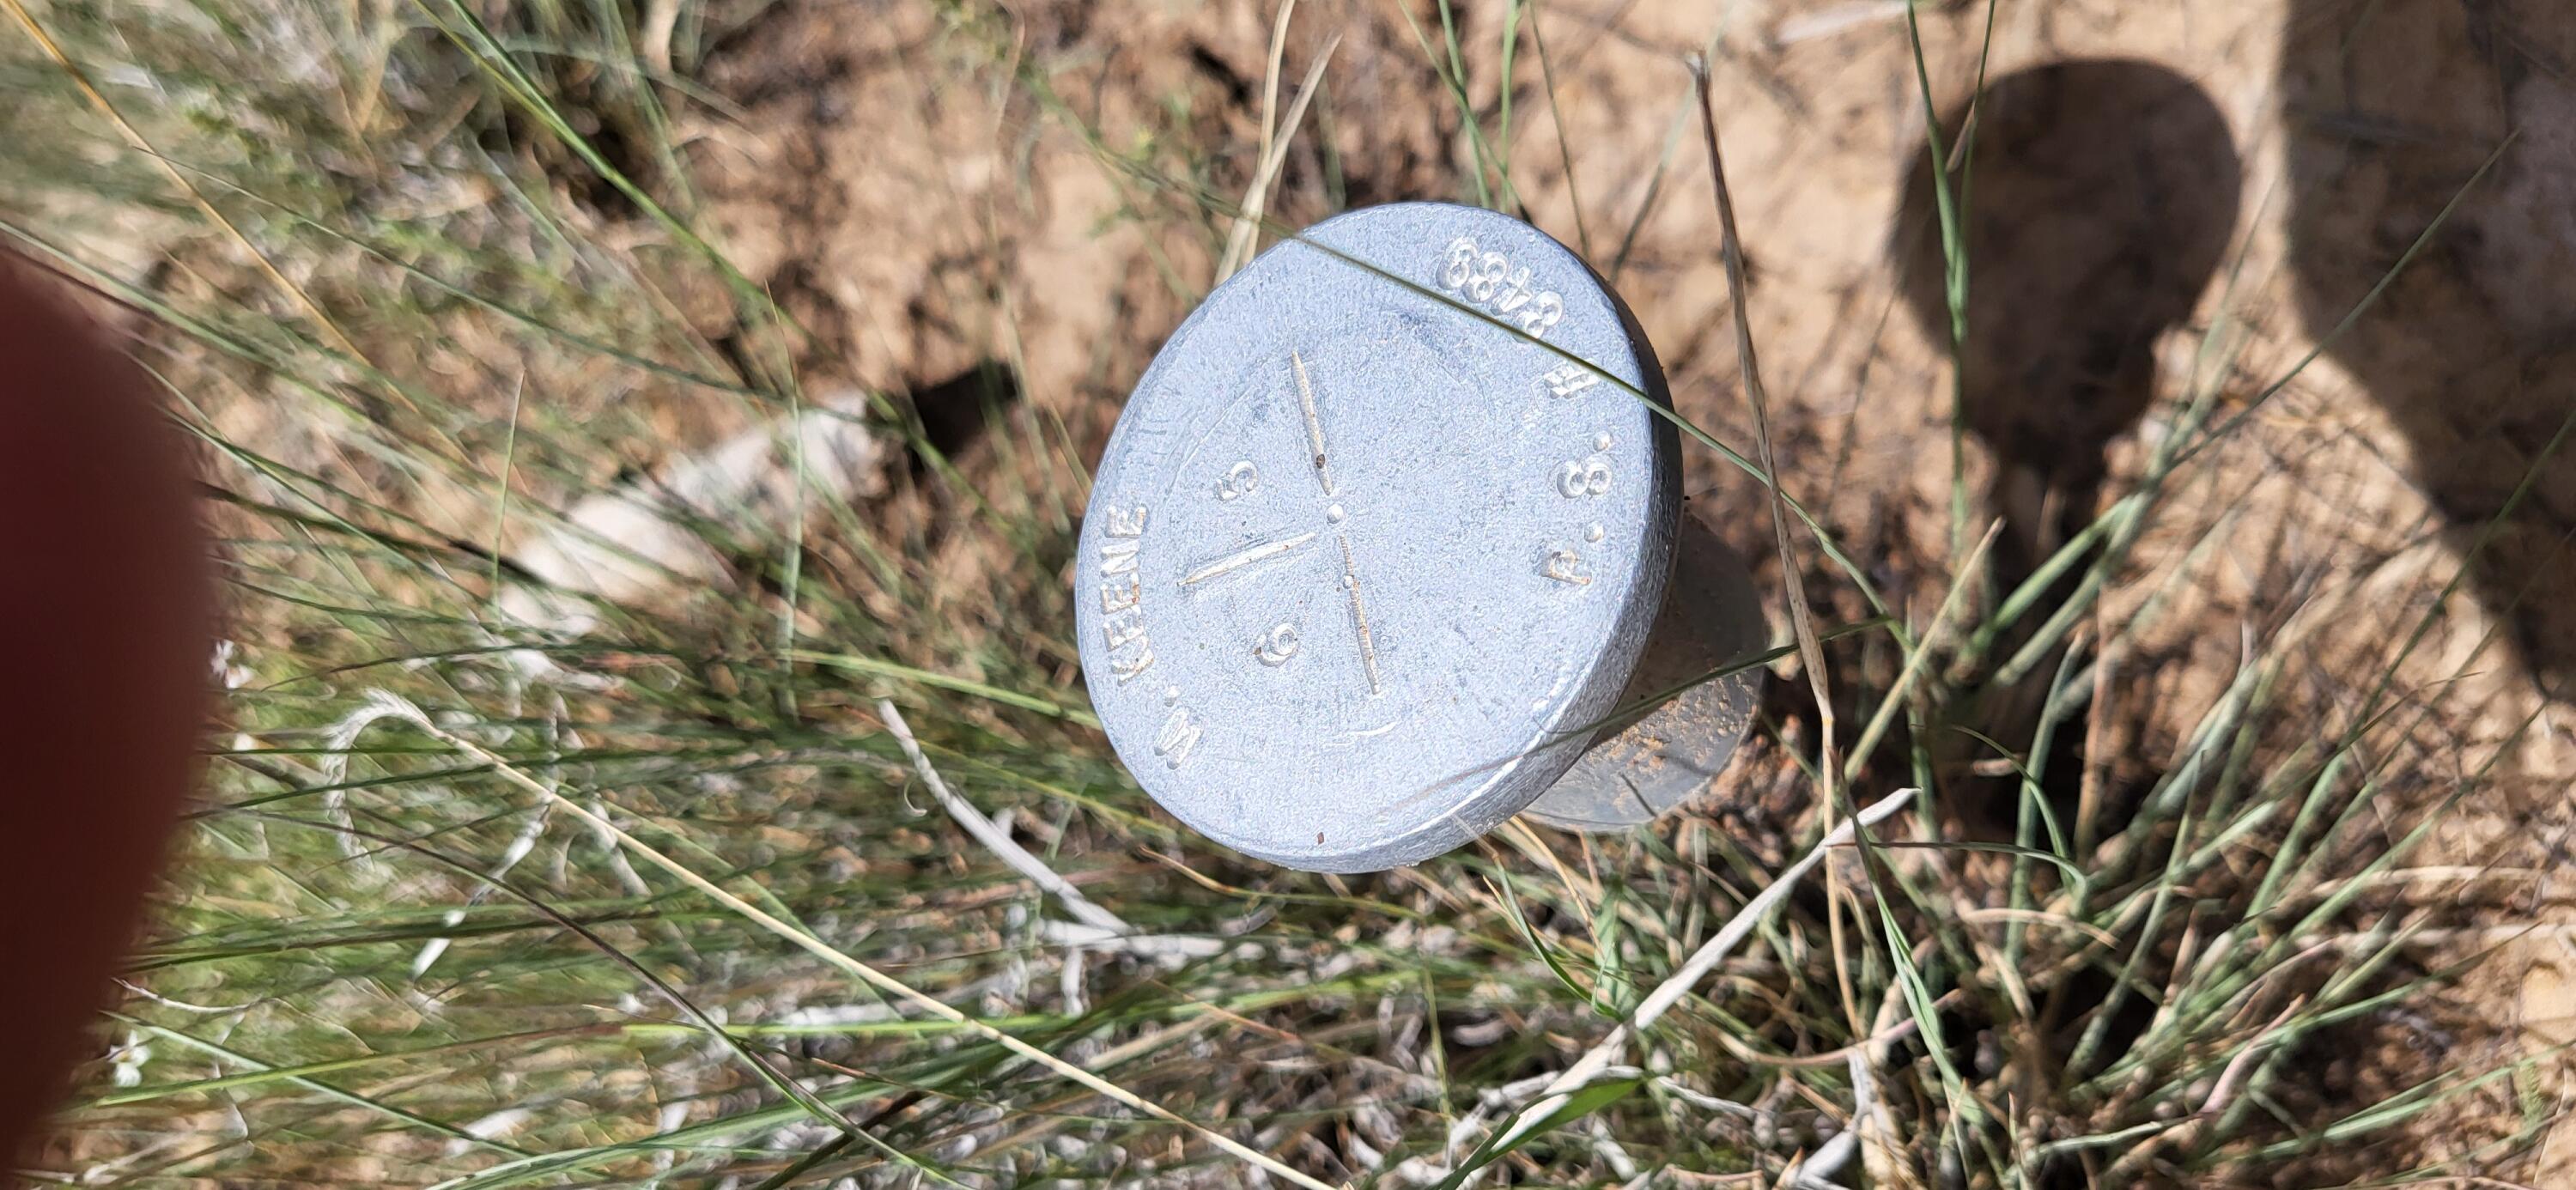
(1378, 538)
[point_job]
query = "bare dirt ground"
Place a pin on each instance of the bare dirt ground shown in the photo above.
(1002, 218)
(2240, 171)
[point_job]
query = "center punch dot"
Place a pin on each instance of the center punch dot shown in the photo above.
(1334, 513)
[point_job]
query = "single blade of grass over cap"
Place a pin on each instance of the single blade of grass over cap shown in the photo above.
(1823, 534)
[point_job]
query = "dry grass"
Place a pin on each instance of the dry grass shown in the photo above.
(653, 896)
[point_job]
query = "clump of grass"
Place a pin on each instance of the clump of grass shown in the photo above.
(451, 918)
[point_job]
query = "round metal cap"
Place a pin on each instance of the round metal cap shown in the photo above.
(1377, 540)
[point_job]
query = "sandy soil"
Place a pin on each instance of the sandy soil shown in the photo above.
(2149, 175)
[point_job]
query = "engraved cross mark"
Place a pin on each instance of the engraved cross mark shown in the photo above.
(1314, 424)
(1279, 546)
(1359, 613)
(1237, 561)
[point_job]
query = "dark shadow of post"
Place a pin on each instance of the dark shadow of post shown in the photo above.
(2101, 196)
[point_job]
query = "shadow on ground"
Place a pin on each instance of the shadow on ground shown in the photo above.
(2393, 112)
(2099, 197)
